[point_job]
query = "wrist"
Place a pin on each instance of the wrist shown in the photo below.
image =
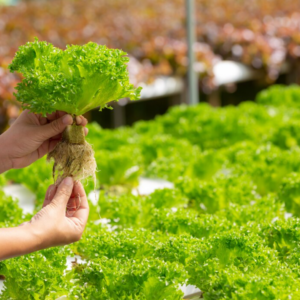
(5, 161)
(36, 235)
(16, 241)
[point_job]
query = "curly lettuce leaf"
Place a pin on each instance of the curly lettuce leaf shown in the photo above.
(76, 80)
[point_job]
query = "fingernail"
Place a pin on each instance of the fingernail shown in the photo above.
(70, 213)
(68, 181)
(67, 120)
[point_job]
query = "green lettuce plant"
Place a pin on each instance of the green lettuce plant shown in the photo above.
(75, 80)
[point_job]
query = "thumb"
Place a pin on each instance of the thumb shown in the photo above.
(56, 127)
(63, 193)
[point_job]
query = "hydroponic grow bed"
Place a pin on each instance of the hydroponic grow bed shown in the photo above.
(222, 227)
(146, 186)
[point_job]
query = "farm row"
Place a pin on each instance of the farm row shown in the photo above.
(229, 226)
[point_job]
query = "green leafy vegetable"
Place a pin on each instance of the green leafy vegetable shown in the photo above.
(229, 226)
(75, 80)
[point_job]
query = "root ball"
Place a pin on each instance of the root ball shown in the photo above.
(74, 160)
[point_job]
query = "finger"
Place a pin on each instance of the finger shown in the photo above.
(86, 130)
(43, 149)
(61, 113)
(47, 147)
(55, 127)
(73, 205)
(50, 194)
(78, 191)
(27, 117)
(84, 121)
(52, 116)
(52, 145)
(43, 120)
(82, 212)
(57, 137)
(63, 193)
(55, 115)
(79, 120)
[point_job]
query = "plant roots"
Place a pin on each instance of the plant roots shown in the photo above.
(73, 159)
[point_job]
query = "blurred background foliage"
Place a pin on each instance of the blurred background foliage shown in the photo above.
(263, 35)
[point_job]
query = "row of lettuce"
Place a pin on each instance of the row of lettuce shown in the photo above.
(230, 226)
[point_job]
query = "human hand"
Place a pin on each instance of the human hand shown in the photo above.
(61, 221)
(63, 217)
(32, 136)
